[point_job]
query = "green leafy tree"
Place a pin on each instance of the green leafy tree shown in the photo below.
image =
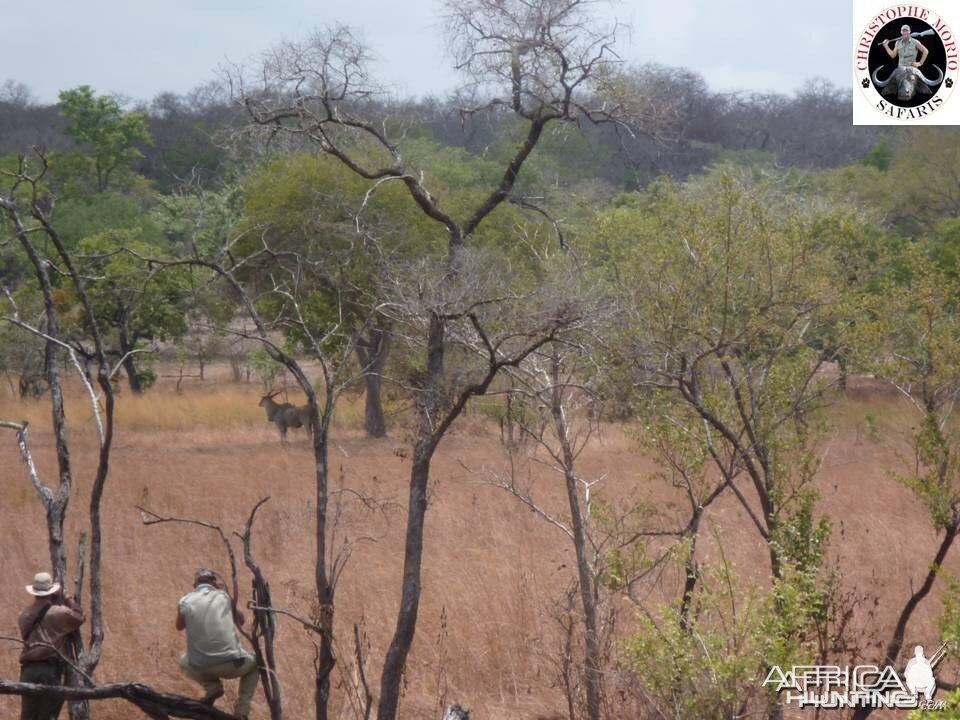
(725, 282)
(879, 156)
(709, 664)
(728, 281)
(78, 218)
(910, 184)
(140, 306)
(914, 342)
(314, 210)
(111, 132)
(21, 355)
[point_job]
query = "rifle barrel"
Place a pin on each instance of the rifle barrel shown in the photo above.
(938, 655)
(917, 34)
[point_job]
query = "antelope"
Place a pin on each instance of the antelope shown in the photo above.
(285, 415)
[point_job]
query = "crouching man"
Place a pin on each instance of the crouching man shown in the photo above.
(44, 626)
(213, 645)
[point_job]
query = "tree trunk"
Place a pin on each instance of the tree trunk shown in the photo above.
(263, 633)
(157, 704)
(372, 353)
(396, 657)
(691, 571)
(56, 504)
(588, 598)
(326, 659)
(591, 671)
(432, 425)
(374, 420)
(896, 641)
(129, 366)
(410, 595)
(131, 370)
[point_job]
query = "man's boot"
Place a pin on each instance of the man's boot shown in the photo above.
(212, 696)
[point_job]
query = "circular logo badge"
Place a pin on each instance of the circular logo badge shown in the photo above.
(906, 62)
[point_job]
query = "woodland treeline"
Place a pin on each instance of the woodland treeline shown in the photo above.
(808, 129)
(590, 243)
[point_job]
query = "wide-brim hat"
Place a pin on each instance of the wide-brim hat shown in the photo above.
(43, 585)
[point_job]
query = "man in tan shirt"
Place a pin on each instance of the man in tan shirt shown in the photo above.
(45, 626)
(214, 651)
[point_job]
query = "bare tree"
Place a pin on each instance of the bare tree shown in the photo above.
(551, 60)
(29, 210)
(288, 278)
(552, 378)
(557, 393)
(261, 636)
(17, 94)
(25, 203)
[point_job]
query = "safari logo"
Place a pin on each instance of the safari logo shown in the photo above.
(905, 67)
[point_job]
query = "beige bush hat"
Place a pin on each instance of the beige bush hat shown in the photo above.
(43, 585)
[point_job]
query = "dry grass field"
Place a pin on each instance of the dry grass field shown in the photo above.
(492, 570)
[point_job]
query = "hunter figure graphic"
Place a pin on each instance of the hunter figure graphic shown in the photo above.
(919, 674)
(907, 48)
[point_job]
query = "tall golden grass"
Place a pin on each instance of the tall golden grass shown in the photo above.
(492, 573)
(216, 407)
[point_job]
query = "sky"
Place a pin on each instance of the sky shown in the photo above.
(138, 48)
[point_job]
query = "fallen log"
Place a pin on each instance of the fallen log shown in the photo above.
(156, 704)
